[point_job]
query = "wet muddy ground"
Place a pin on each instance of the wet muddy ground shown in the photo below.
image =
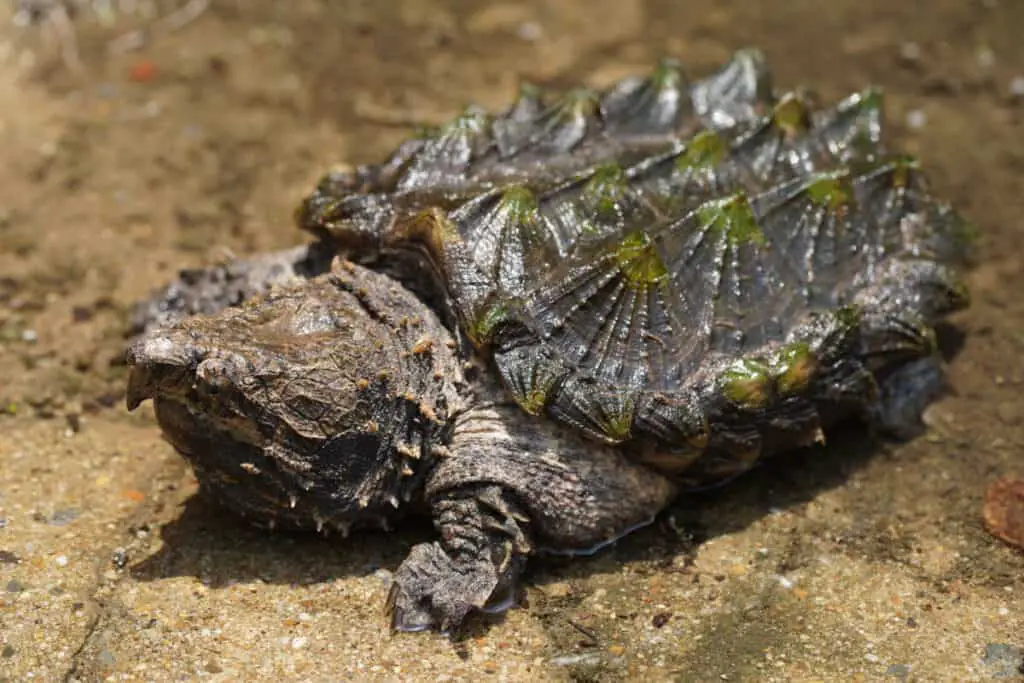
(860, 561)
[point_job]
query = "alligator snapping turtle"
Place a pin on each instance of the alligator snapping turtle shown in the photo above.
(540, 326)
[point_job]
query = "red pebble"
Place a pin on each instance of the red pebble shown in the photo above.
(1004, 510)
(142, 72)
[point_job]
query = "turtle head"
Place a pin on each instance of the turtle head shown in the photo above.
(296, 405)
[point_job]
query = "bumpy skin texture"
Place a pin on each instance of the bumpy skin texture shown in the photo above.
(208, 290)
(318, 405)
(542, 323)
(341, 402)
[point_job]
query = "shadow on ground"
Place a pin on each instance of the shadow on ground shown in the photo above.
(208, 543)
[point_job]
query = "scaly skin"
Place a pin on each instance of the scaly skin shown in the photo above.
(542, 324)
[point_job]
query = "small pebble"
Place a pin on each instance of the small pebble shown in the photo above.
(1003, 513)
(916, 119)
(106, 659)
(1010, 413)
(62, 561)
(910, 53)
(299, 642)
(901, 671)
(1017, 87)
(530, 31)
(986, 58)
(64, 517)
(1002, 660)
(572, 660)
(81, 314)
(557, 590)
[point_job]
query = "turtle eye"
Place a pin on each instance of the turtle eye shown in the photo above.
(216, 375)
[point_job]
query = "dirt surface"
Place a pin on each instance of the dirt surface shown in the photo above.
(860, 561)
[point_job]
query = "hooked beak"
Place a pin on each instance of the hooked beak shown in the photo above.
(158, 362)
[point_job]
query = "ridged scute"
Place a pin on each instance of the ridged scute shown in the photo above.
(681, 265)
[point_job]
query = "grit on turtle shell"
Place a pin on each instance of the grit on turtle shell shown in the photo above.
(541, 326)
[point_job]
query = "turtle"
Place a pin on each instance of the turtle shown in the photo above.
(542, 326)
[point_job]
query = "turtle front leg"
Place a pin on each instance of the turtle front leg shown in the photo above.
(514, 486)
(474, 566)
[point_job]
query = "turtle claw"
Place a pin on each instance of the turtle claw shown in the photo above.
(431, 590)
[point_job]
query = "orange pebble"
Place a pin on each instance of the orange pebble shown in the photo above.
(134, 495)
(142, 72)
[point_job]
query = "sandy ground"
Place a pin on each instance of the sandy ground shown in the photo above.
(862, 561)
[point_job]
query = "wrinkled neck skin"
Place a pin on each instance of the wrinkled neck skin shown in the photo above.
(323, 405)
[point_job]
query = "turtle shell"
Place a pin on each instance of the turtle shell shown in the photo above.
(676, 266)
